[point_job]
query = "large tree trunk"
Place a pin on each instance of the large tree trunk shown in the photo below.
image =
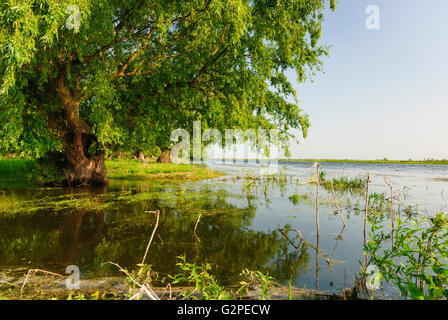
(79, 169)
(141, 156)
(165, 157)
(77, 138)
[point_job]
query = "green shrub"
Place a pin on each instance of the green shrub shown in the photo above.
(416, 262)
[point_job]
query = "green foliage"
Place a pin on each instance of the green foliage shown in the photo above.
(82, 296)
(15, 167)
(378, 202)
(342, 183)
(256, 280)
(291, 294)
(136, 70)
(143, 275)
(417, 261)
(43, 172)
(205, 285)
(294, 198)
(133, 169)
(46, 173)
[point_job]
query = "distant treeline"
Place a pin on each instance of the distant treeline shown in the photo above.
(410, 161)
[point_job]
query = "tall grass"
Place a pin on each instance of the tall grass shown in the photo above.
(117, 169)
(16, 167)
(133, 169)
(341, 183)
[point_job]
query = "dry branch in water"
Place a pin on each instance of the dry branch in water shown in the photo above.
(336, 203)
(152, 235)
(366, 214)
(195, 227)
(322, 253)
(292, 243)
(144, 288)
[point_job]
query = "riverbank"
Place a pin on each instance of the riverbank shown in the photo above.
(16, 170)
(52, 287)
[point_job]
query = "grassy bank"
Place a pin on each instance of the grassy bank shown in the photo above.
(428, 162)
(15, 168)
(133, 169)
(22, 170)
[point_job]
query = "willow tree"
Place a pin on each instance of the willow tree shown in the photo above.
(78, 76)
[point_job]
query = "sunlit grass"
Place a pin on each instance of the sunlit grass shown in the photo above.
(133, 169)
(21, 169)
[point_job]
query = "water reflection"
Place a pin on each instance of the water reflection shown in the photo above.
(239, 228)
(90, 227)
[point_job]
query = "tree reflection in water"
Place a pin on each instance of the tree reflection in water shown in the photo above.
(87, 227)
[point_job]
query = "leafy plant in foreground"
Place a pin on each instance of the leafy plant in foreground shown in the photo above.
(417, 261)
(256, 280)
(206, 285)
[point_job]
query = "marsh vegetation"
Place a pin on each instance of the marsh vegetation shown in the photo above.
(292, 233)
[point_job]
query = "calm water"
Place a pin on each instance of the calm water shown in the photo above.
(238, 228)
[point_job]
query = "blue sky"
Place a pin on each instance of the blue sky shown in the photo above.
(383, 93)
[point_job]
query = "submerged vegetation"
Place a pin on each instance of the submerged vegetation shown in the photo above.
(344, 183)
(340, 183)
(211, 225)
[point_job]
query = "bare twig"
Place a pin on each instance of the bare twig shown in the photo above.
(317, 196)
(290, 241)
(339, 237)
(191, 293)
(9, 283)
(320, 252)
(392, 215)
(338, 207)
(171, 291)
(152, 235)
(196, 226)
(367, 206)
(160, 238)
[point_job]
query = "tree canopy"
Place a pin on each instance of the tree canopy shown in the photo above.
(136, 70)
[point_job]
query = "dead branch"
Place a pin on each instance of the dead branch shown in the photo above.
(152, 235)
(338, 207)
(322, 253)
(9, 283)
(367, 206)
(195, 227)
(290, 241)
